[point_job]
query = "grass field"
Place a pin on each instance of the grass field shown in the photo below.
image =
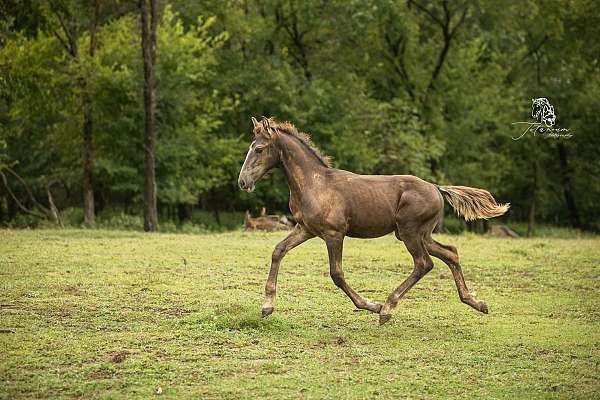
(101, 314)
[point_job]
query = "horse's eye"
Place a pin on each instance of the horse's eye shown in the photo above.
(258, 150)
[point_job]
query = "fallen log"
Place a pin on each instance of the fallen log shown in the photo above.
(502, 231)
(267, 223)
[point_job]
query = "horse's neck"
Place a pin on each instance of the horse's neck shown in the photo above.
(300, 166)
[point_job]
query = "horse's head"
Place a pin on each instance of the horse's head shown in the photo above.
(262, 155)
(542, 111)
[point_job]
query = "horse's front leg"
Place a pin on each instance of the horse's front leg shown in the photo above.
(334, 248)
(298, 236)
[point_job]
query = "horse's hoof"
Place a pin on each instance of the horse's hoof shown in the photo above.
(266, 311)
(483, 307)
(383, 318)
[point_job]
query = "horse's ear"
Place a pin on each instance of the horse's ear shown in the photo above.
(267, 128)
(266, 122)
(255, 122)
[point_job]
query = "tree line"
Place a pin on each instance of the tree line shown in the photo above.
(144, 106)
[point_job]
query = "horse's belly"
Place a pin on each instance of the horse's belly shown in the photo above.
(365, 234)
(371, 210)
(371, 226)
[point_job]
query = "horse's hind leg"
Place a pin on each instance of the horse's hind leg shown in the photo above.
(449, 255)
(423, 264)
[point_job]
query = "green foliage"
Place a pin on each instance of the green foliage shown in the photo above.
(381, 85)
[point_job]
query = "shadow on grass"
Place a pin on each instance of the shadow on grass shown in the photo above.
(239, 317)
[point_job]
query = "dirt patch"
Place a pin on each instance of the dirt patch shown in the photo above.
(118, 357)
(73, 290)
(340, 341)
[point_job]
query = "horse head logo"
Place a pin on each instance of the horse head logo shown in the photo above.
(542, 111)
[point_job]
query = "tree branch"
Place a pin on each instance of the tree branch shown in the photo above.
(447, 35)
(426, 11)
(53, 208)
(12, 195)
(530, 52)
(439, 63)
(460, 22)
(296, 36)
(397, 49)
(13, 173)
(94, 28)
(62, 41)
(72, 48)
(536, 48)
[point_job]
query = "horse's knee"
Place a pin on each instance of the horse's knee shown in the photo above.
(428, 265)
(337, 277)
(423, 266)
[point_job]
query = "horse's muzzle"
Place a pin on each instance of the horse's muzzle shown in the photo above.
(246, 184)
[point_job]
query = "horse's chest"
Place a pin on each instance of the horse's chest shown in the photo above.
(317, 210)
(303, 208)
(295, 208)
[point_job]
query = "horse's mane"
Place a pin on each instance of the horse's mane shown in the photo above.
(304, 138)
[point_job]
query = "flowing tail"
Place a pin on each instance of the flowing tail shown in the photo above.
(473, 203)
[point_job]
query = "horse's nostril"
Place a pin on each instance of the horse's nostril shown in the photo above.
(242, 183)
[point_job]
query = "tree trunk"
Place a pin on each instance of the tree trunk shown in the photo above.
(69, 40)
(217, 215)
(11, 208)
(531, 216)
(149, 20)
(470, 226)
(101, 200)
(1, 208)
(53, 209)
(87, 152)
(88, 162)
(184, 212)
(567, 188)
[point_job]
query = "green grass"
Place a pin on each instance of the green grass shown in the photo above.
(105, 314)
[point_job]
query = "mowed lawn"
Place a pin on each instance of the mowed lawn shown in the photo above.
(100, 314)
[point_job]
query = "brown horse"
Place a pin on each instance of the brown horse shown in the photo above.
(332, 203)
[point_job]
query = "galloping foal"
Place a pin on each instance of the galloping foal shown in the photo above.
(331, 204)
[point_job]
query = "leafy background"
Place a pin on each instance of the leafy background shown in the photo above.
(429, 88)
